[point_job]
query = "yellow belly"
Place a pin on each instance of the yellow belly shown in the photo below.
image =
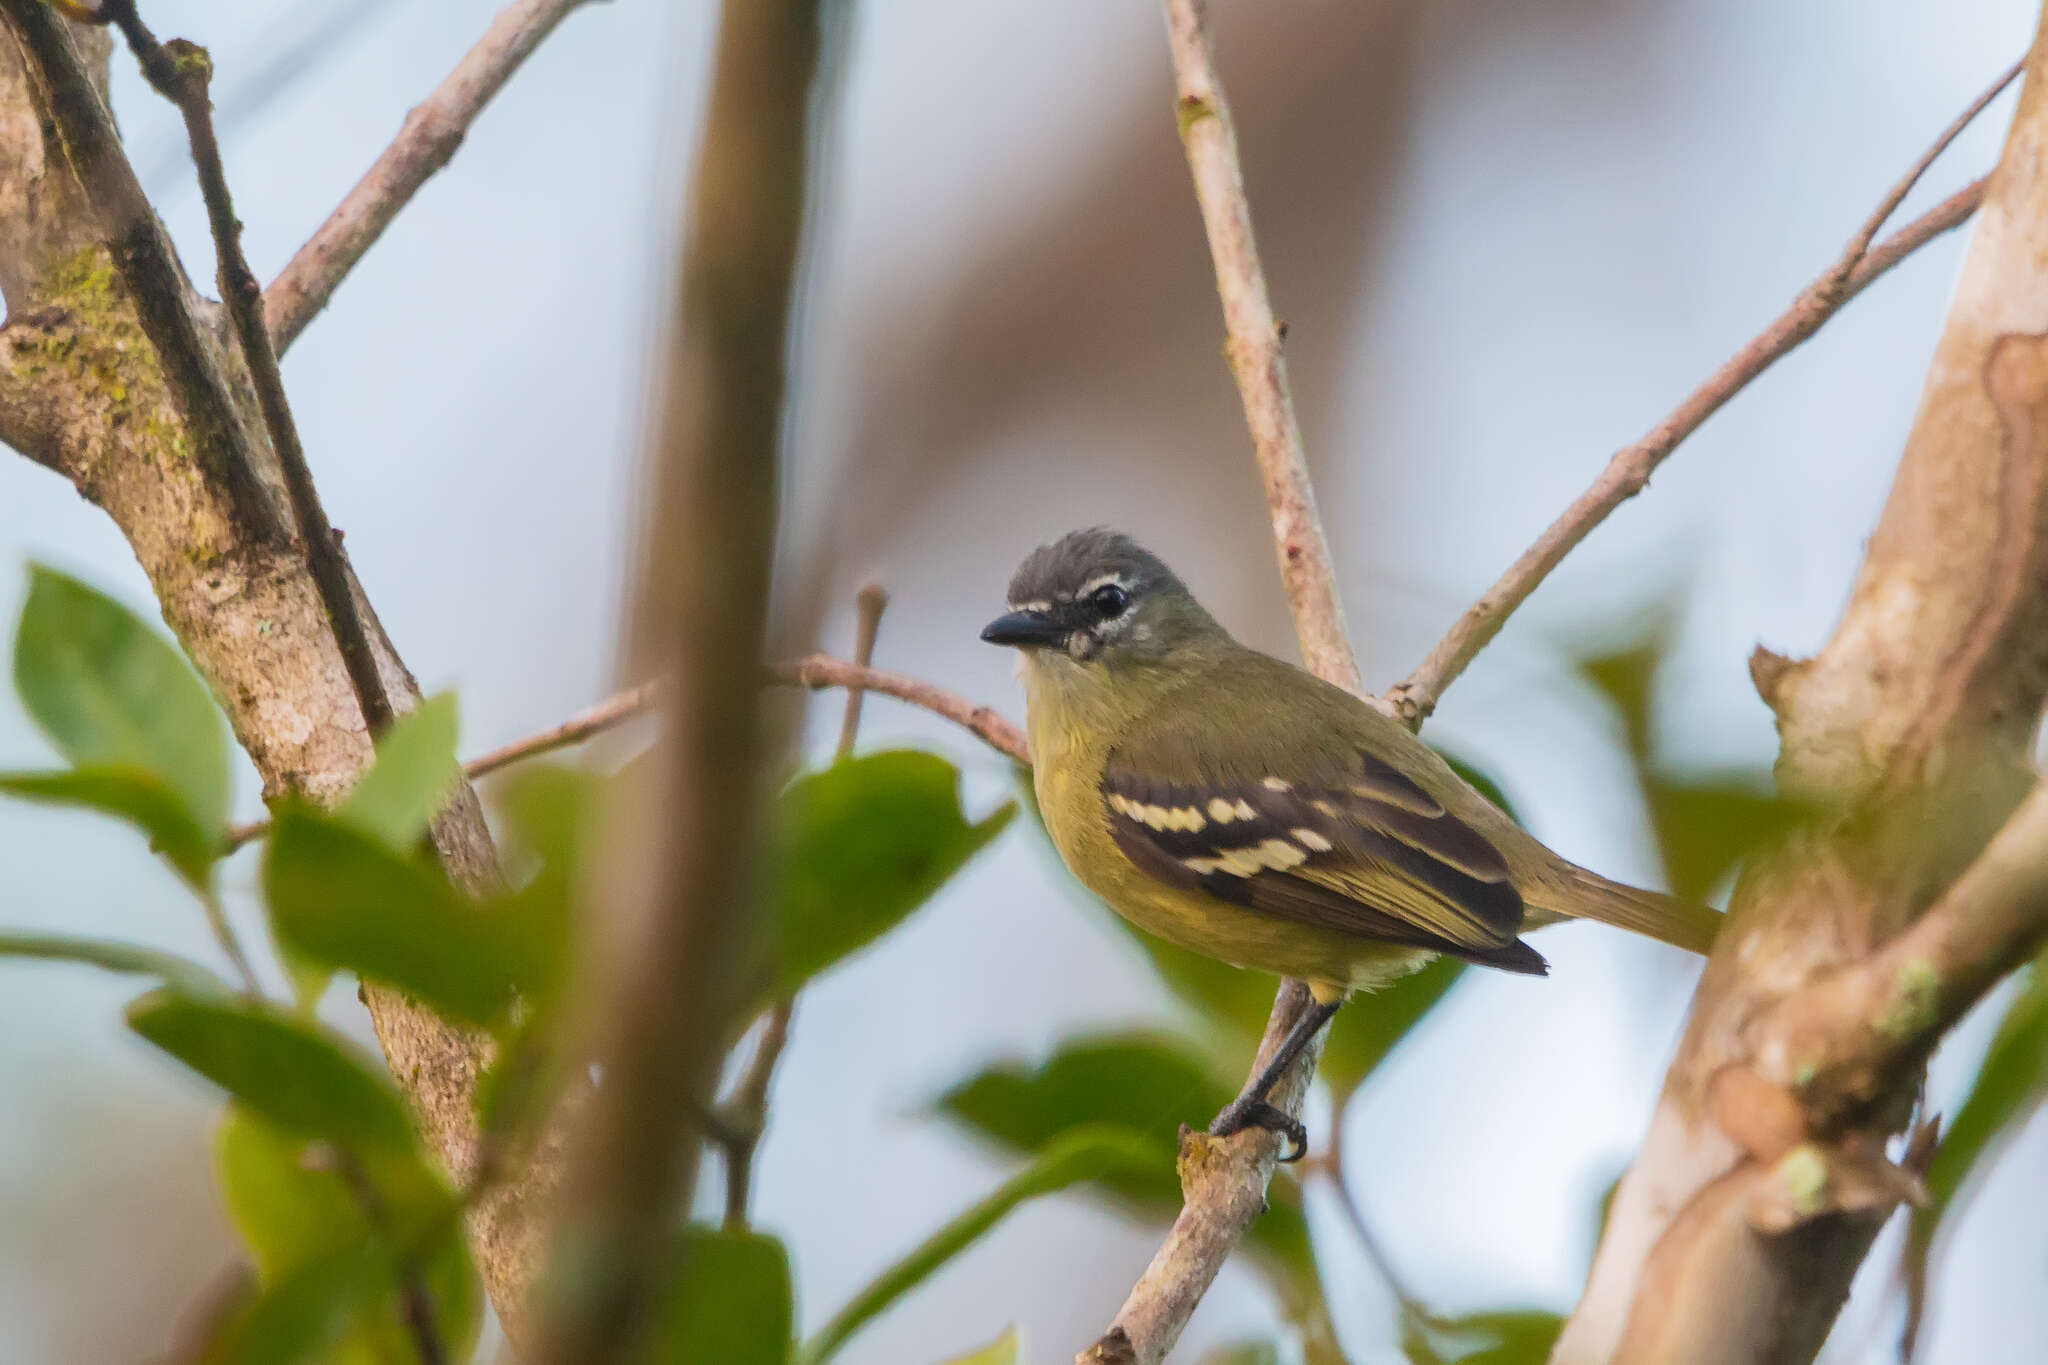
(1069, 797)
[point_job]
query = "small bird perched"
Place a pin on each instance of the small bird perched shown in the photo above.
(1247, 810)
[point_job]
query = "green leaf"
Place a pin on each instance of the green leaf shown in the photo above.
(1244, 1353)
(732, 1305)
(859, 846)
(1145, 1084)
(2010, 1085)
(142, 799)
(1002, 1351)
(343, 899)
(1706, 826)
(309, 1315)
(128, 958)
(415, 769)
(1084, 1154)
(293, 1072)
(112, 693)
(1625, 677)
(1510, 1337)
(329, 1271)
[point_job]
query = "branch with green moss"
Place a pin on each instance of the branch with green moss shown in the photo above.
(182, 73)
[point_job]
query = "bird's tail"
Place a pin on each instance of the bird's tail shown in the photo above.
(1571, 892)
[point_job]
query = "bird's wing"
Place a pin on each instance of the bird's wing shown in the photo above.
(1354, 846)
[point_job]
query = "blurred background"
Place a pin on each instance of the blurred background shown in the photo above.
(1507, 237)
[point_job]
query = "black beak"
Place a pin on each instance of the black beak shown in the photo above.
(1024, 628)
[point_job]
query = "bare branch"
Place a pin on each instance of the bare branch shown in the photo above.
(704, 593)
(613, 710)
(1223, 1181)
(182, 73)
(1253, 344)
(432, 133)
(1628, 473)
(822, 670)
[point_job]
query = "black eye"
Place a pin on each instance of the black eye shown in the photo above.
(1109, 600)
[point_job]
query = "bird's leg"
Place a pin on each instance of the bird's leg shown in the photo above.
(1252, 1109)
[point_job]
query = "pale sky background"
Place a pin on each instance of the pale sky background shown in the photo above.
(1590, 205)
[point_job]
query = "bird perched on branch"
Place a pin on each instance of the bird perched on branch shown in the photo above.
(1247, 810)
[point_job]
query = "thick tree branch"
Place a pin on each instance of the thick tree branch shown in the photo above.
(1223, 1181)
(704, 594)
(1836, 1043)
(1763, 1178)
(432, 133)
(1628, 473)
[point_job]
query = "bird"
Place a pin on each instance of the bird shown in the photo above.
(1241, 807)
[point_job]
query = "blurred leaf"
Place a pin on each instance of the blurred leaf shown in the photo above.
(1511, 1337)
(307, 1315)
(414, 770)
(1244, 1353)
(1480, 781)
(299, 1075)
(2010, 1085)
(1625, 678)
(343, 899)
(329, 1271)
(128, 958)
(859, 846)
(1706, 826)
(112, 693)
(733, 1304)
(1002, 1351)
(141, 798)
(1144, 1084)
(1082, 1154)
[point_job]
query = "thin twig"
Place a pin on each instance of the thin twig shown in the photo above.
(822, 670)
(1331, 1163)
(813, 671)
(416, 1301)
(1628, 473)
(224, 934)
(1223, 1181)
(869, 603)
(432, 133)
(181, 72)
(745, 1116)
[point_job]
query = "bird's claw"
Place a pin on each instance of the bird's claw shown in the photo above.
(1246, 1112)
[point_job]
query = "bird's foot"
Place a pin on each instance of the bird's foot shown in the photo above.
(1249, 1111)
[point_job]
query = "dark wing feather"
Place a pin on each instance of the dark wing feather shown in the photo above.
(1375, 856)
